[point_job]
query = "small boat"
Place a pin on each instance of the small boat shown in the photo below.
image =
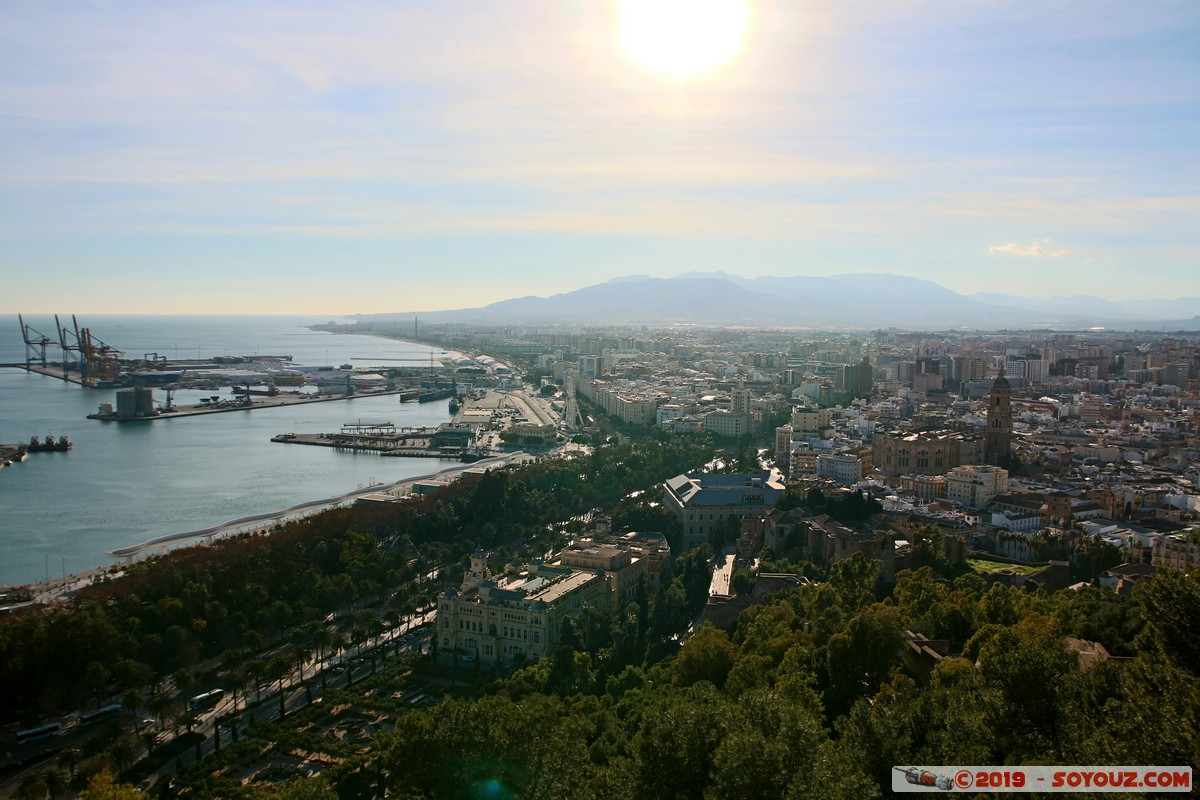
(50, 445)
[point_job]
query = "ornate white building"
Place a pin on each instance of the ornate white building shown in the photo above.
(498, 618)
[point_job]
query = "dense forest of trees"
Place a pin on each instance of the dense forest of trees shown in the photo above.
(169, 614)
(807, 698)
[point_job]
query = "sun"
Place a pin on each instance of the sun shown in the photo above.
(683, 38)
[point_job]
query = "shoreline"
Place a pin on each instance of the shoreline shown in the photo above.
(353, 347)
(375, 334)
(55, 590)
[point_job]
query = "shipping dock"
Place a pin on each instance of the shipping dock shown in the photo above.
(11, 454)
(383, 438)
(140, 408)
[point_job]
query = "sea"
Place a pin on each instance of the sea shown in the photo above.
(125, 483)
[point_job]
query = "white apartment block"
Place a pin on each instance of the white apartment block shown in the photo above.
(1179, 551)
(783, 446)
(1017, 521)
(811, 420)
(629, 403)
(727, 423)
(974, 486)
(840, 467)
(668, 412)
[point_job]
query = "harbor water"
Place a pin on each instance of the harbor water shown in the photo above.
(124, 483)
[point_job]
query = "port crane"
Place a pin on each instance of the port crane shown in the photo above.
(170, 389)
(95, 359)
(35, 342)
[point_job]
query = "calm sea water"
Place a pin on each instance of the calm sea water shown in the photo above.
(125, 483)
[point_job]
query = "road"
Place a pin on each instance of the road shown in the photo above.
(39, 756)
(723, 574)
(340, 670)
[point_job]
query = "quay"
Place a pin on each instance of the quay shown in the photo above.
(55, 371)
(12, 453)
(419, 444)
(383, 438)
(247, 403)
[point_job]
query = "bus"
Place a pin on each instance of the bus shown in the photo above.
(206, 700)
(87, 716)
(39, 733)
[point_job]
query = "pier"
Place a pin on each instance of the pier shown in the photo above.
(12, 453)
(247, 403)
(383, 439)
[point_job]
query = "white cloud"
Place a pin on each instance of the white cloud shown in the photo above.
(1041, 248)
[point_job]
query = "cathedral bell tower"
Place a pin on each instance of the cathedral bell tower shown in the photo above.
(997, 447)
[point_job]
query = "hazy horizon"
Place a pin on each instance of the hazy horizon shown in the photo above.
(34, 314)
(261, 157)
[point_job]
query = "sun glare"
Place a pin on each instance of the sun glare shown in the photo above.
(683, 38)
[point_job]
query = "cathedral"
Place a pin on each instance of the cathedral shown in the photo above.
(997, 447)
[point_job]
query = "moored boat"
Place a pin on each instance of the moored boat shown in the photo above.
(50, 445)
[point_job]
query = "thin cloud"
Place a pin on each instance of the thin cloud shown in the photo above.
(1042, 248)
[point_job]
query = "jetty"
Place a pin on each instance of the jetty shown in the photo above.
(243, 402)
(12, 453)
(383, 438)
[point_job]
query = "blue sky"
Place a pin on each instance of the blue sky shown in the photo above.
(297, 157)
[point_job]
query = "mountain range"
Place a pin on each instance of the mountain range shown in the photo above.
(862, 301)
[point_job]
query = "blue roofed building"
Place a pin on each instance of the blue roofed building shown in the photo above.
(702, 501)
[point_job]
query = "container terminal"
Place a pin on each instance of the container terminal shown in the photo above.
(138, 404)
(259, 381)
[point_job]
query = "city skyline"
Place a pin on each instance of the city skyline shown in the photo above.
(266, 158)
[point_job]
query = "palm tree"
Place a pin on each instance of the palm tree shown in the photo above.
(122, 751)
(322, 639)
(377, 628)
(32, 787)
(236, 679)
(69, 759)
(256, 669)
(337, 642)
(56, 782)
(131, 701)
(280, 667)
(301, 653)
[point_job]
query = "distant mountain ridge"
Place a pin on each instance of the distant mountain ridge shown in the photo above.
(855, 300)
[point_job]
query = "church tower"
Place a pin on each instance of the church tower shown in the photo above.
(997, 446)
